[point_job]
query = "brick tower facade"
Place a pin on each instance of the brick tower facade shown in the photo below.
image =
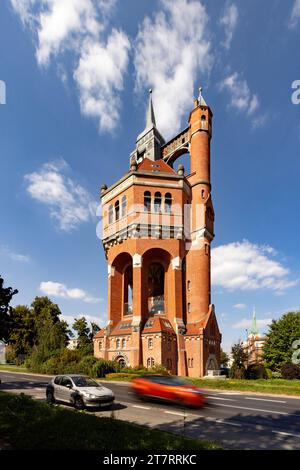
(158, 225)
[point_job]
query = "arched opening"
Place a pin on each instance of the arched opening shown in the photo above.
(156, 288)
(128, 286)
(110, 214)
(123, 206)
(121, 361)
(121, 281)
(117, 210)
(147, 201)
(157, 202)
(168, 202)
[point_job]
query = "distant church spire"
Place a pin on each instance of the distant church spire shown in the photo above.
(254, 330)
(150, 119)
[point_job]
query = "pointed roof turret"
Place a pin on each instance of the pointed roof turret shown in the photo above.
(150, 141)
(254, 330)
(201, 100)
(150, 120)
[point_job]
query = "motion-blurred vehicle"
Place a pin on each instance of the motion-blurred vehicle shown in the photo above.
(79, 390)
(168, 388)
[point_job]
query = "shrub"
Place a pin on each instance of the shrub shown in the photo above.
(86, 365)
(103, 367)
(256, 371)
(237, 372)
(276, 374)
(269, 373)
(290, 371)
(121, 375)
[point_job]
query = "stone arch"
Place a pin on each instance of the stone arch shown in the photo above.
(121, 281)
(156, 264)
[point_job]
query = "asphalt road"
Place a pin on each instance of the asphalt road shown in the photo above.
(235, 420)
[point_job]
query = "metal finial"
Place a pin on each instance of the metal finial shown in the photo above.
(150, 90)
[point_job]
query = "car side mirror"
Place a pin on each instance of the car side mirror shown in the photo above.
(69, 386)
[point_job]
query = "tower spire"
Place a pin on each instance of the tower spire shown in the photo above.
(150, 119)
(254, 330)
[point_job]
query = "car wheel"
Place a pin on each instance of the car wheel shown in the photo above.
(50, 397)
(78, 403)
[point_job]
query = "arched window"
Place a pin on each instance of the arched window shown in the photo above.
(123, 343)
(100, 344)
(156, 288)
(168, 202)
(150, 362)
(110, 214)
(117, 210)
(147, 201)
(123, 206)
(157, 202)
(128, 286)
(150, 343)
(118, 344)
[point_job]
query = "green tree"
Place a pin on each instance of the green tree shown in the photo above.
(23, 331)
(50, 333)
(6, 294)
(224, 358)
(278, 348)
(239, 356)
(83, 332)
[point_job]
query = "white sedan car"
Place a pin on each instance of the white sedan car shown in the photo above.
(78, 390)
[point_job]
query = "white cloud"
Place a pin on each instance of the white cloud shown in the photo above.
(241, 97)
(57, 289)
(98, 64)
(4, 250)
(246, 266)
(247, 323)
(171, 50)
(69, 203)
(295, 14)
(229, 21)
(240, 306)
(99, 77)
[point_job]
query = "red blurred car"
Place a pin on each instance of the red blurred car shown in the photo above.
(169, 388)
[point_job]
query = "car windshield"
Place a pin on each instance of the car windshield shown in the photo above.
(167, 380)
(85, 382)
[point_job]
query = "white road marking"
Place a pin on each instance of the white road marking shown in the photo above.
(282, 433)
(265, 399)
(219, 398)
(175, 413)
(229, 423)
(252, 409)
(142, 407)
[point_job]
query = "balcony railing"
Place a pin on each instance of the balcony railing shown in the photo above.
(156, 304)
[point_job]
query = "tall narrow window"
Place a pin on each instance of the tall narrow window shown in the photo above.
(168, 202)
(147, 201)
(110, 214)
(157, 202)
(189, 307)
(123, 343)
(189, 286)
(150, 343)
(123, 206)
(118, 344)
(117, 210)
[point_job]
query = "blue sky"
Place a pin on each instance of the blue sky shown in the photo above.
(77, 75)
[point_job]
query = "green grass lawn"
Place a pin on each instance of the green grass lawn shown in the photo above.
(13, 368)
(272, 386)
(28, 424)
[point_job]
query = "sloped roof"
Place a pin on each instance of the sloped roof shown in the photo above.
(158, 324)
(157, 166)
(99, 334)
(122, 328)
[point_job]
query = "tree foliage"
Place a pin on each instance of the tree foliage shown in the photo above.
(224, 358)
(6, 294)
(278, 349)
(239, 356)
